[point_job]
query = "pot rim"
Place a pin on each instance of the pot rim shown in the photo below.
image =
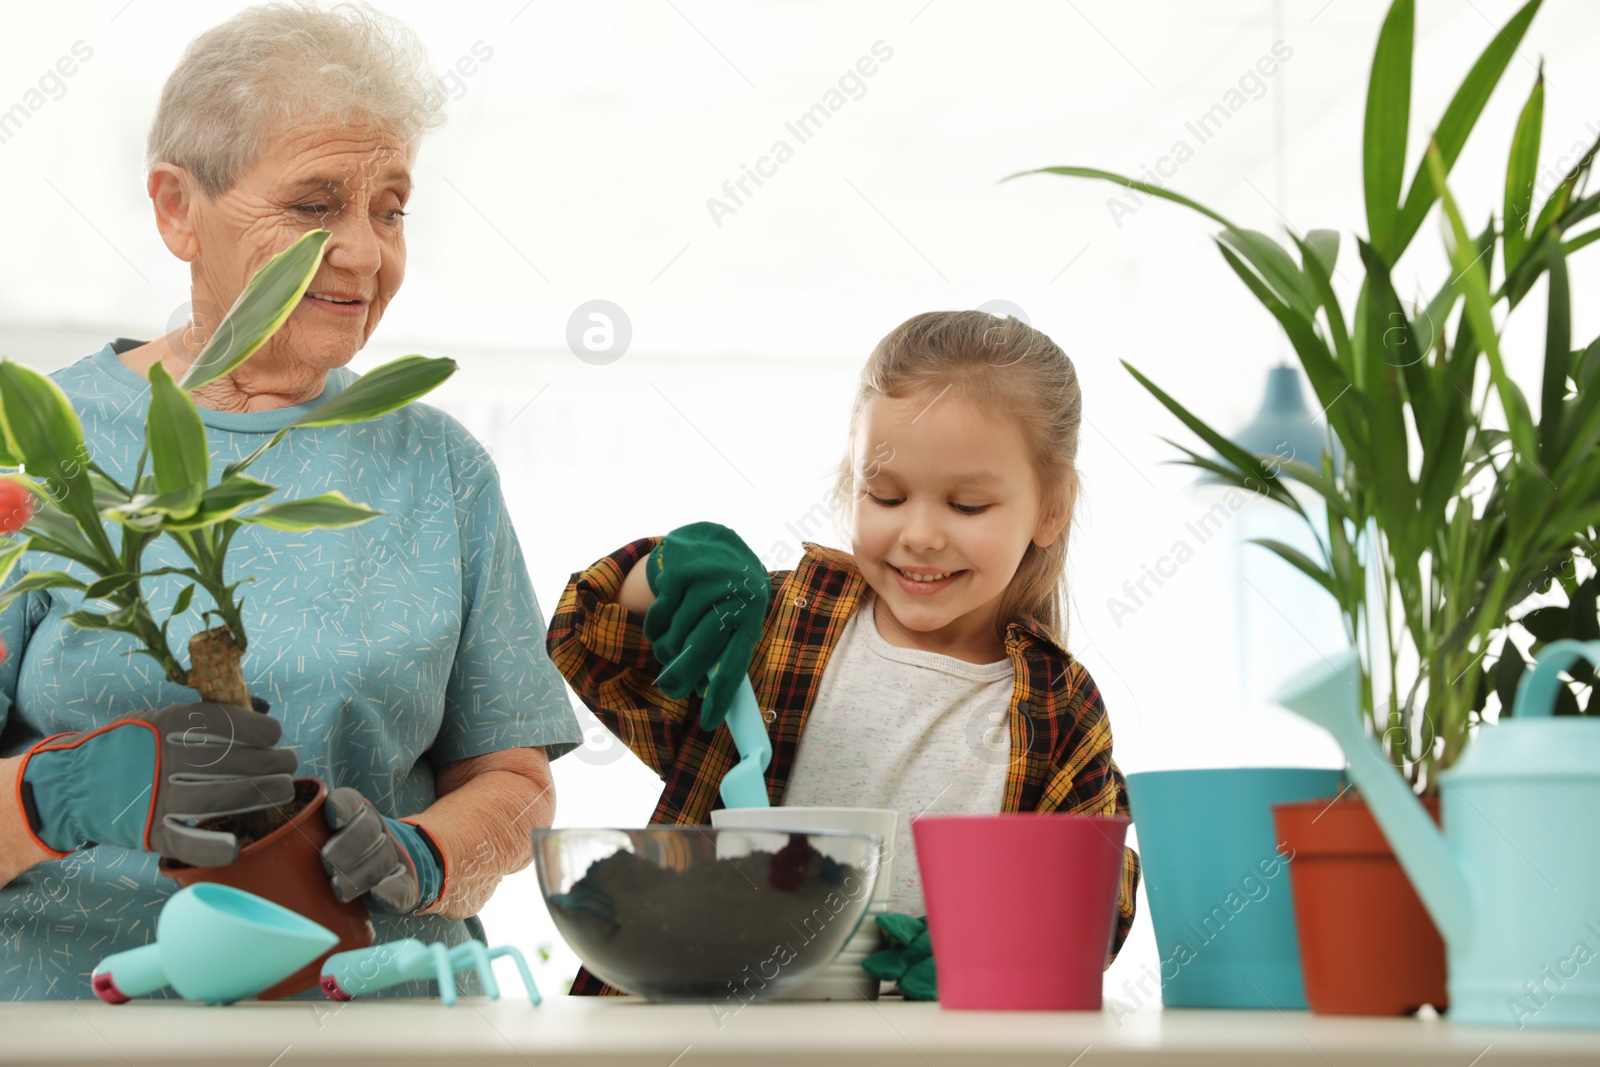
(313, 805)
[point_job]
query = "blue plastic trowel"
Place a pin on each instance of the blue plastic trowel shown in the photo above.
(745, 785)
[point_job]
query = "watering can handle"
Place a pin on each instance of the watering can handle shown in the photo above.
(1536, 696)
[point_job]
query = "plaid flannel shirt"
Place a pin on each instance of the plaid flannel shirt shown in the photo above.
(1060, 735)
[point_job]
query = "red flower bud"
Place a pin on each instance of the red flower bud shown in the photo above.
(16, 506)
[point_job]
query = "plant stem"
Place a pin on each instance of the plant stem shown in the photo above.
(214, 668)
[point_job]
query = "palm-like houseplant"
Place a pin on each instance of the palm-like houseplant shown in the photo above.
(1439, 524)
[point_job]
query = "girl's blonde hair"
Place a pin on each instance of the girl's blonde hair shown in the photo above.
(1013, 372)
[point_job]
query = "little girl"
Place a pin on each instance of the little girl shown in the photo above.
(924, 670)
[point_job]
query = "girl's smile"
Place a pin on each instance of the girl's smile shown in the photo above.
(920, 583)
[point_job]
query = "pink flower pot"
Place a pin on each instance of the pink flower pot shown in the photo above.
(1021, 908)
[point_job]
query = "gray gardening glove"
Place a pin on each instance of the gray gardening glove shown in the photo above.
(394, 864)
(144, 780)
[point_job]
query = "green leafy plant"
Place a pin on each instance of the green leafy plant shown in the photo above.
(1432, 525)
(77, 505)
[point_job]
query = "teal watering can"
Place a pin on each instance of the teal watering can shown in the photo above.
(1513, 880)
(216, 944)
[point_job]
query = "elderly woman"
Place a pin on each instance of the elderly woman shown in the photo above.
(404, 658)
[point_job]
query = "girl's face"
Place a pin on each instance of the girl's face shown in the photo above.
(946, 504)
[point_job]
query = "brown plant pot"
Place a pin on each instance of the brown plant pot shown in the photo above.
(1367, 945)
(285, 867)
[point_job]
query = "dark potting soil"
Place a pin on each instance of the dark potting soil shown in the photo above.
(721, 928)
(252, 826)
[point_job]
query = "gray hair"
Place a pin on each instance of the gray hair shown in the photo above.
(277, 65)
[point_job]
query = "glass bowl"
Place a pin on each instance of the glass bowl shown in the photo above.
(703, 914)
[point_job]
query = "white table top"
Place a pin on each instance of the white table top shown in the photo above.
(890, 1033)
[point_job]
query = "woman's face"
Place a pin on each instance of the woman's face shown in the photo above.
(352, 181)
(944, 491)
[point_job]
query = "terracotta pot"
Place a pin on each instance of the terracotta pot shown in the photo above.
(285, 867)
(1367, 945)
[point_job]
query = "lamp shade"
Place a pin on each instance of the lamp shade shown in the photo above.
(1284, 425)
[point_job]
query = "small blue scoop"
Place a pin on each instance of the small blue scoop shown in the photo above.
(744, 786)
(216, 944)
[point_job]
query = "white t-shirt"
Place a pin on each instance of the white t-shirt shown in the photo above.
(900, 728)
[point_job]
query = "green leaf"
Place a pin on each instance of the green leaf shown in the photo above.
(266, 303)
(177, 437)
(1583, 425)
(1585, 611)
(1388, 118)
(10, 456)
(381, 390)
(1229, 451)
(1459, 119)
(1328, 381)
(1521, 168)
(328, 511)
(10, 553)
(1392, 344)
(147, 509)
(1318, 262)
(1557, 359)
(38, 580)
(1474, 283)
(185, 596)
(1582, 241)
(1324, 487)
(107, 494)
(377, 392)
(1325, 245)
(1302, 563)
(55, 531)
(223, 501)
(1275, 267)
(104, 587)
(1429, 324)
(89, 620)
(1346, 569)
(1507, 676)
(51, 441)
(1546, 624)
(1131, 183)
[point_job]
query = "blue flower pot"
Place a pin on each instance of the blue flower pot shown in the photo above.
(1219, 885)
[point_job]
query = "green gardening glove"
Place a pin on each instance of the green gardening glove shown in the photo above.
(711, 603)
(908, 960)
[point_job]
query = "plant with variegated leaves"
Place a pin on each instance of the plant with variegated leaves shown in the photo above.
(77, 506)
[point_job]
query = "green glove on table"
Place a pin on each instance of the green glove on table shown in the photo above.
(144, 781)
(908, 960)
(711, 604)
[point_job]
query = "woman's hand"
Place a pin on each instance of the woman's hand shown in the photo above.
(143, 780)
(711, 604)
(391, 863)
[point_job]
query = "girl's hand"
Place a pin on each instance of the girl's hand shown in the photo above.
(711, 602)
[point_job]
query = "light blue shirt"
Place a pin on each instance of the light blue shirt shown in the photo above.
(386, 649)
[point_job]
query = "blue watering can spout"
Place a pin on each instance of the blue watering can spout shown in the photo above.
(1327, 695)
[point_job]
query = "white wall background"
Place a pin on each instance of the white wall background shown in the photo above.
(577, 163)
